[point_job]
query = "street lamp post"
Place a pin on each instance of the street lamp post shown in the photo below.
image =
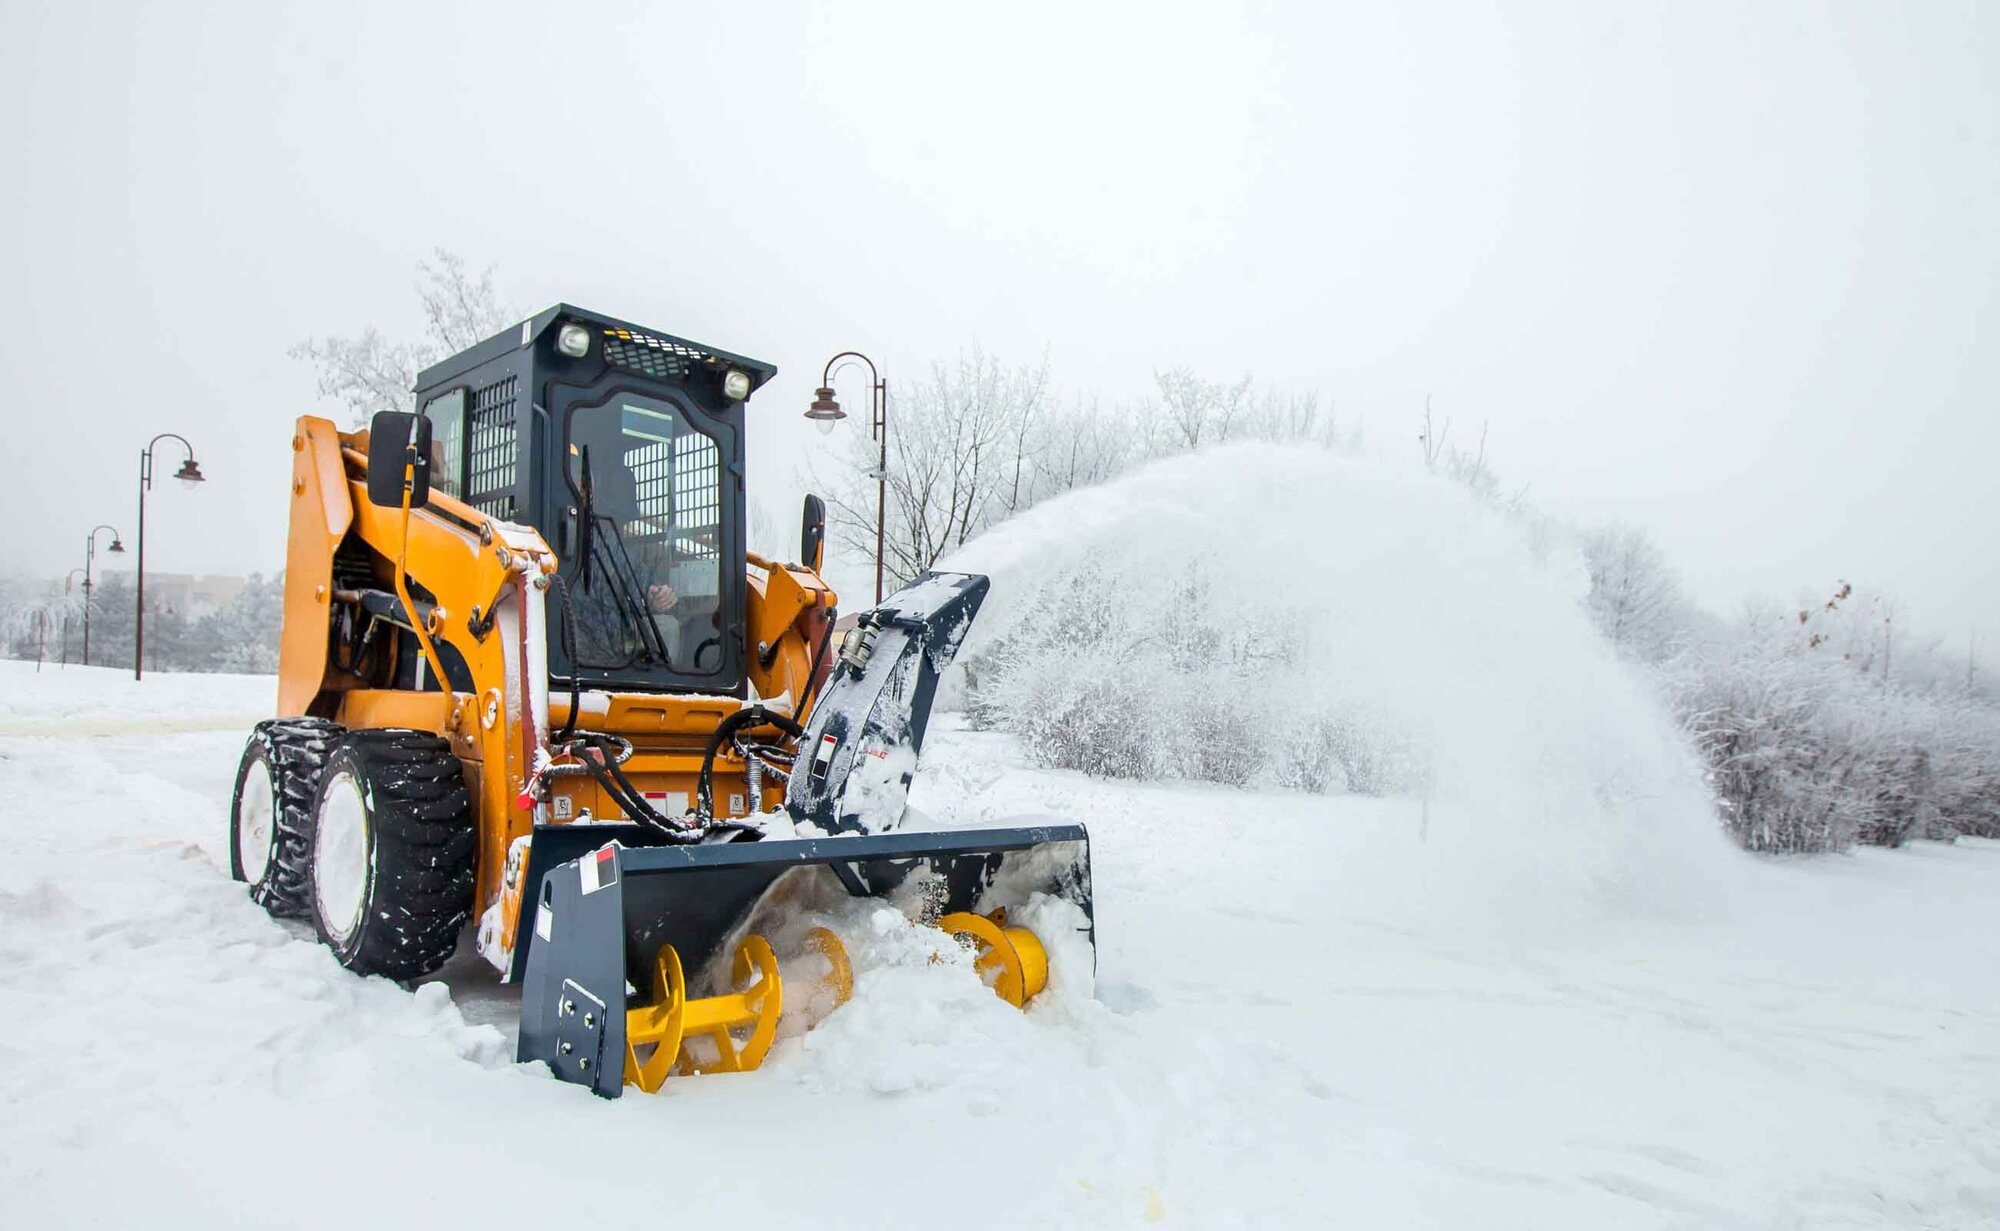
(825, 412)
(69, 580)
(90, 554)
(189, 474)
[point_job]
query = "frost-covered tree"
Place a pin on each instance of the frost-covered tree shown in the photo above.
(368, 371)
(1193, 412)
(243, 637)
(980, 439)
(1635, 598)
(963, 449)
(34, 625)
(1081, 444)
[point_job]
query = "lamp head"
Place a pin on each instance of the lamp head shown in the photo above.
(825, 411)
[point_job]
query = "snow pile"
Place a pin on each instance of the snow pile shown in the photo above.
(1258, 615)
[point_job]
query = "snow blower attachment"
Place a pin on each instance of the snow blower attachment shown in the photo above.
(531, 675)
(615, 929)
(630, 912)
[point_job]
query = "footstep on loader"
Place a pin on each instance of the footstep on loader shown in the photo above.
(532, 680)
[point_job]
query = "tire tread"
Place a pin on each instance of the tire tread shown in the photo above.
(420, 823)
(294, 750)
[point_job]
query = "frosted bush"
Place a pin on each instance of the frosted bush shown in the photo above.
(1806, 752)
(1085, 725)
(1213, 731)
(1092, 681)
(1779, 773)
(1343, 749)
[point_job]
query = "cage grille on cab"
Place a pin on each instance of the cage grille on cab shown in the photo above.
(489, 478)
(650, 356)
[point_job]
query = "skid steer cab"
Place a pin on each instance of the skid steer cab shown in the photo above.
(533, 686)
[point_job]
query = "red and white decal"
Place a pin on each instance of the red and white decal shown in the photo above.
(599, 868)
(668, 803)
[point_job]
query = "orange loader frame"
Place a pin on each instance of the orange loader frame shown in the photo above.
(487, 578)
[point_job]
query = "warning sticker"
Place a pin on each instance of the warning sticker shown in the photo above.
(669, 803)
(599, 868)
(823, 756)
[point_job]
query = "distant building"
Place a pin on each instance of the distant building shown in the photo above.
(192, 595)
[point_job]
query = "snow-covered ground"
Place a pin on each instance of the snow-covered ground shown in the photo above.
(1292, 1027)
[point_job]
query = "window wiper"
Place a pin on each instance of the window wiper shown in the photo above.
(623, 577)
(632, 597)
(586, 519)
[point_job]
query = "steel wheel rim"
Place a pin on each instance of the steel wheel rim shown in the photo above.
(340, 856)
(254, 816)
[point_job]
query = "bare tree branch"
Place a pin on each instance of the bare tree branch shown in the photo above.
(367, 372)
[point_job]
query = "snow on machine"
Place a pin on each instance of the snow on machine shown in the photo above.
(531, 675)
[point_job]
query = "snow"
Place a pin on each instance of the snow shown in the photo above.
(876, 792)
(1288, 586)
(100, 700)
(926, 593)
(1290, 1027)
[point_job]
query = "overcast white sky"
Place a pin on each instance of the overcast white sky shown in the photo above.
(1727, 271)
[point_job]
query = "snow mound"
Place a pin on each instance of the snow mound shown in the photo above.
(1295, 617)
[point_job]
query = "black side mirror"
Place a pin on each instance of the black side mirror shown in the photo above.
(391, 436)
(812, 534)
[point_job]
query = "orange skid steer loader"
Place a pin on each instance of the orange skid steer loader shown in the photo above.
(532, 680)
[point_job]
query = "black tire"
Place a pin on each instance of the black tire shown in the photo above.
(394, 858)
(281, 768)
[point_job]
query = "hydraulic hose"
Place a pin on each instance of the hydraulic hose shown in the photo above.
(604, 770)
(799, 710)
(750, 716)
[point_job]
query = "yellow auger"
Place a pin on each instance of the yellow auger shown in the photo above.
(1010, 959)
(752, 905)
(668, 1024)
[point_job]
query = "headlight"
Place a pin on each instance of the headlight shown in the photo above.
(736, 385)
(574, 341)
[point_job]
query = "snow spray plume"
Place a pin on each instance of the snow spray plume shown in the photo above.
(1297, 618)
